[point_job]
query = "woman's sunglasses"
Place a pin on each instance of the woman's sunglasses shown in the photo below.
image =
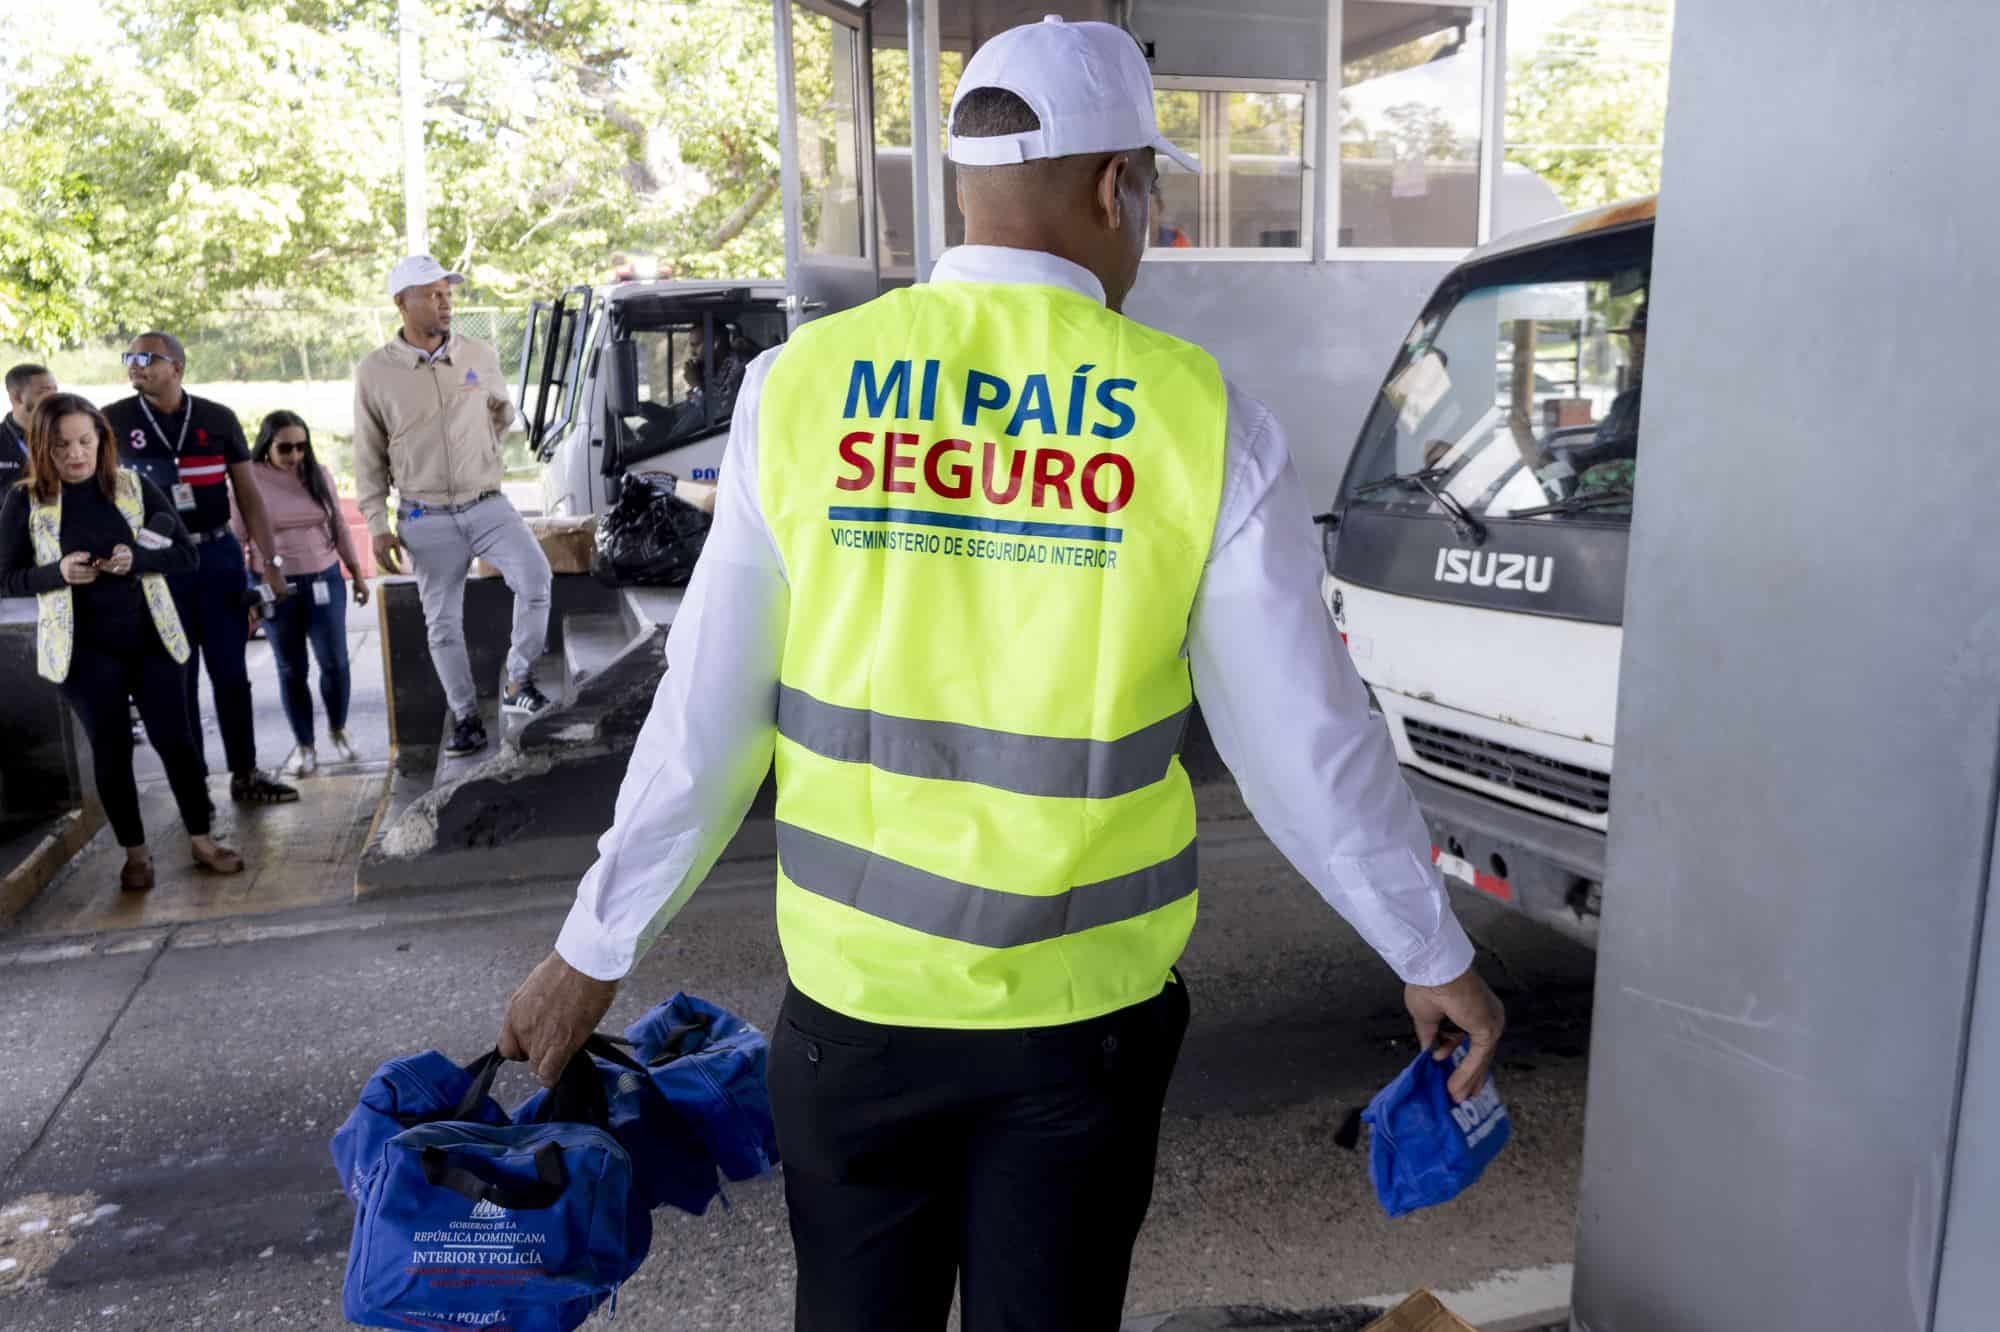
(283, 449)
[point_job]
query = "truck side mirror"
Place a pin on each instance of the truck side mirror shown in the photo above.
(622, 386)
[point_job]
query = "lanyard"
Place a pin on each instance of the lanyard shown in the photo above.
(187, 406)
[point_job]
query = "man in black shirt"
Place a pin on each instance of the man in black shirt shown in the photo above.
(27, 385)
(193, 450)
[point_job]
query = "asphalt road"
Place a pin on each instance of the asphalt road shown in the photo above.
(164, 1111)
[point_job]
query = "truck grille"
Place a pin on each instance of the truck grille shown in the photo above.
(1565, 783)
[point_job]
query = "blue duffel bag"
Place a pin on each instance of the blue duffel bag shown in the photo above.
(1425, 1148)
(402, 1094)
(710, 1065)
(527, 1227)
(671, 1165)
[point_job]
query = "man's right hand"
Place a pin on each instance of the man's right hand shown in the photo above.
(389, 552)
(1472, 1008)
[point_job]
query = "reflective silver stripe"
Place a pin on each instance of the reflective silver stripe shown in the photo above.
(1036, 765)
(905, 895)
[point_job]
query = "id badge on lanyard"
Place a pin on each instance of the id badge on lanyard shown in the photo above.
(322, 594)
(183, 492)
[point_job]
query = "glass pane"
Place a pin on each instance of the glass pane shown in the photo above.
(689, 373)
(1521, 393)
(1251, 192)
(895, 203)
(829, 135)
(1410, 113)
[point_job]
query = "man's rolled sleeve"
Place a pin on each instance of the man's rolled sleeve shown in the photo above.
(371, 460)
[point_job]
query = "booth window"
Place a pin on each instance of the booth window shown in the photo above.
(1253, 197)
(827, 70)
(1414, 93)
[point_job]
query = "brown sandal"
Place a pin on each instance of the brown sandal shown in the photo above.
(136, 878)
(221, 861)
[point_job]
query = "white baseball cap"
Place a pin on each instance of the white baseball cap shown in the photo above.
(1086, 82)
(419, 270)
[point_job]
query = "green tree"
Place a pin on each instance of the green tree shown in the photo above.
(220, 146)
(1586, 109)
(161, 163)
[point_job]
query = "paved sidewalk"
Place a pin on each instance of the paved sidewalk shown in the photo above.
(298, 855)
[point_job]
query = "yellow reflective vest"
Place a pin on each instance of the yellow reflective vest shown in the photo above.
(994, 503)
(55, 612)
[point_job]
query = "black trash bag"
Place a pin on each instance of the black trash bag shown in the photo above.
(651, 535)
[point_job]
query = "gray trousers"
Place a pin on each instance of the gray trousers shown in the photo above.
(442, 547)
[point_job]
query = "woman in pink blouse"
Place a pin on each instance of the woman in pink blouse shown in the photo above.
(313, 542)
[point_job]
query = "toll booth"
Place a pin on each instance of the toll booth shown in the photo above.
(1351, 153)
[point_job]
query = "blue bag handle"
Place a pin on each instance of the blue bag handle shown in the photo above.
(551, 1179)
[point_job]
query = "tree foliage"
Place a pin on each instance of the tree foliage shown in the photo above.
(162, 162)
(1586, 109)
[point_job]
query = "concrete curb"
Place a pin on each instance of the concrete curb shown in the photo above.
(24, 883)
(1341, 1318)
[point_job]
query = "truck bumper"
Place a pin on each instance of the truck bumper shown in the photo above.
(1542, 867)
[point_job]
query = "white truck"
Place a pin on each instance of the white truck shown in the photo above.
(638, 376)
(1476, 554)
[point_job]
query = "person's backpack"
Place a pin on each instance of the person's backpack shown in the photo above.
(402, 1094)
(710, 1064)
(1426, 1149)
(529, 1226)
(671, 1165)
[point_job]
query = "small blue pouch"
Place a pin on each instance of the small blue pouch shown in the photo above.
(1426, 1149)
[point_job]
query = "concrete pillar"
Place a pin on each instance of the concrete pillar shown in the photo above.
(1809, 722)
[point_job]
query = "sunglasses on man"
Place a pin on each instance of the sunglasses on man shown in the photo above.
(144, 359)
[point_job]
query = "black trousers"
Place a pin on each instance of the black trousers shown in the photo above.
(217, 623)
(1017, 1165)
(99, 686)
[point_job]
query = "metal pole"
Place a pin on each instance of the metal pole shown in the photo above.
(416, 206)
(788, 157)
(926, 159)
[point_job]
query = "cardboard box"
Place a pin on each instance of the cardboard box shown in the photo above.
(565, 540)
(701, 494)
(1558, 413)
(1422, 1312)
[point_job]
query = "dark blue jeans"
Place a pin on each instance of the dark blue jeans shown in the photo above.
(210, 601)
(301, 622)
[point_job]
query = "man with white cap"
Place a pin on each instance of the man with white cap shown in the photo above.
(429, 410)
(979, 546)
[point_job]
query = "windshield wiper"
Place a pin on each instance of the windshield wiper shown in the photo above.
(1596, 499)
(1468, 529)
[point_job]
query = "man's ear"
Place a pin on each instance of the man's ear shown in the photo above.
(1110, 187)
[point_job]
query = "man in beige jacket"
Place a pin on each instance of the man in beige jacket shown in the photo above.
(429, 411)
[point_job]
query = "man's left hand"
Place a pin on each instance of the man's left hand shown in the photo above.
(552, 1015)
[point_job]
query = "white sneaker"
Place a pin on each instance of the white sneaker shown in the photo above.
(301, 762)
(343, 748)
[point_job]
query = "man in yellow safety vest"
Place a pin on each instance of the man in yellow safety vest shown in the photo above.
(979, 546)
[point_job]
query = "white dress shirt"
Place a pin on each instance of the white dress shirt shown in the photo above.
(1282, 701)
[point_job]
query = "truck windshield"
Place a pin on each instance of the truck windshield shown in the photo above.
(1518, 391)
(690, 371)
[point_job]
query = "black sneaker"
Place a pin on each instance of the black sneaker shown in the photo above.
(525, 700)
(254, 788)
(468, 735)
